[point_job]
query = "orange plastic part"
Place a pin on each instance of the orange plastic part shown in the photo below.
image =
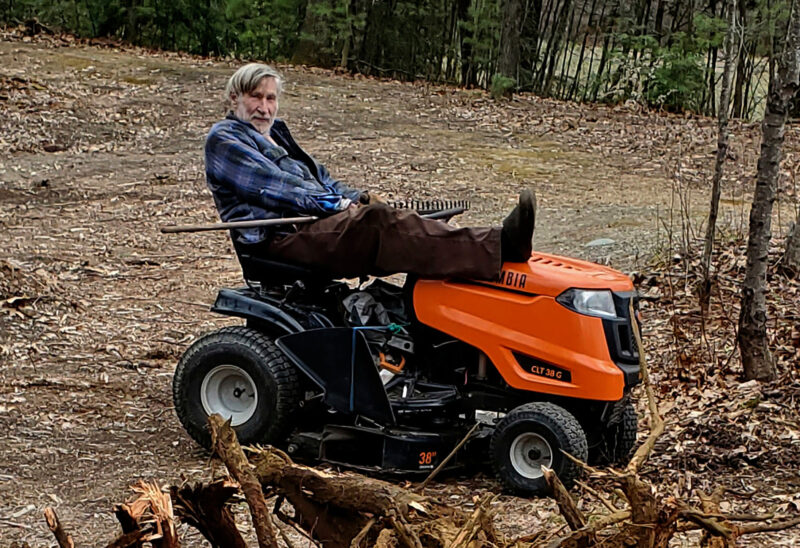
(519, 314)
(394, 368)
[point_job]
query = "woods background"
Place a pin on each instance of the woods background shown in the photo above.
(662, 53)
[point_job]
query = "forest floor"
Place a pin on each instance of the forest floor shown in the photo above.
(102, 145)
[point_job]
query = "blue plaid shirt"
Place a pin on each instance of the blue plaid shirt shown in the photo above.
(251, 178)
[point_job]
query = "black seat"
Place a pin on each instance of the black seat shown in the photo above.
(269, 272)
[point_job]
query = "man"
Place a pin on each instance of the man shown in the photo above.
(256, 170)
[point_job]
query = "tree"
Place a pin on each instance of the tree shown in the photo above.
(508, 62)
(722, 149)
(753, 345)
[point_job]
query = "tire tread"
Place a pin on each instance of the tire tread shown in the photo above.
(282, 371)
(551, 415)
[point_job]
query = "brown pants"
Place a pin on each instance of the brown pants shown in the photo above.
(381, 240)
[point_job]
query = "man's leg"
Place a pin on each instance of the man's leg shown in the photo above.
(379, 240)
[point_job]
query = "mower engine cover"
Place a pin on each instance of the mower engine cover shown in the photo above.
(554, 325)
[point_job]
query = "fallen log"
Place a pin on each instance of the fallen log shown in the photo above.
(360, 494)
(352, 510)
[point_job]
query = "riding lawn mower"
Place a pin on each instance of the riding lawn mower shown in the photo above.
(389, 378)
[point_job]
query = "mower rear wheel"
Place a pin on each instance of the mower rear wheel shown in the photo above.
(240, 374)
(534, 435)
(617, 440)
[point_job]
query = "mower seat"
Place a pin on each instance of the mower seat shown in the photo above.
(270, 272)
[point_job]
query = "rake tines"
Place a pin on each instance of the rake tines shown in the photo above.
(424, 207)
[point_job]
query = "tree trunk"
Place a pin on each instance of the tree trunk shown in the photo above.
(738, 99)
(529, 42)
(508, 63)
(597, 31)
(205, 33)
(543, 22)
(570, 96)
(722, 150)
(756, 357)
(350, 9)
(131, 28)
(748, 99)
(658, 23)
(555, 47)
(708, 100)
(569, 49)
(467, 71)
(607, 46)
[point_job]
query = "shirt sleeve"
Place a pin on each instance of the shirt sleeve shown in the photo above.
(256, 179)
(338, 186)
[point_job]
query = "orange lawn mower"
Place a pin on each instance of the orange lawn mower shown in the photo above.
(390, 379)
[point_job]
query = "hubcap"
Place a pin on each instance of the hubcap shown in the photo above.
(528, 453)
(229, 391)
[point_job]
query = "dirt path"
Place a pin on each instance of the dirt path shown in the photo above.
(100, 305)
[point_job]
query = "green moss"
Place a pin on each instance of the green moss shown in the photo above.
(75, 62)
(138, 81)
(530, 159)
(752, 403)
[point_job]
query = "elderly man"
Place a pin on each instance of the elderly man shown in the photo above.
(256, 170)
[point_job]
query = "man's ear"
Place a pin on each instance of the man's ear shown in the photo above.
(233, 98)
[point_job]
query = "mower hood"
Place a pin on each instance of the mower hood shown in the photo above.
(551, 275)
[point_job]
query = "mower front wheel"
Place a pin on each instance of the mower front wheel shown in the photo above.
(238, 373)
(534, 435)
(617, 440)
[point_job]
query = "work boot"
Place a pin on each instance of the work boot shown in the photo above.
(515, 241)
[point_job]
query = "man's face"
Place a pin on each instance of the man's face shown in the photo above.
(258, 107)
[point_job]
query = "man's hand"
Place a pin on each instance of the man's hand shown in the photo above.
(374, 198)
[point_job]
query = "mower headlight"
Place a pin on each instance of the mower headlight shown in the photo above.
(592, 302)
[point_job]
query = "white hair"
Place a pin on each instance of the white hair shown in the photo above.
(248, 77)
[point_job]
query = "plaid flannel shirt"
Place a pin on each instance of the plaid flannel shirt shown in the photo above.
(250, 178)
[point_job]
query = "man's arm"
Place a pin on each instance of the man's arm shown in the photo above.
(256, 179)
(339, 187)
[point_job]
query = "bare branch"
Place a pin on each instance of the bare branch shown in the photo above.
(64, 540)
(227, 447)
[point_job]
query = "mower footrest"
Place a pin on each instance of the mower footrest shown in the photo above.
(387, 450)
